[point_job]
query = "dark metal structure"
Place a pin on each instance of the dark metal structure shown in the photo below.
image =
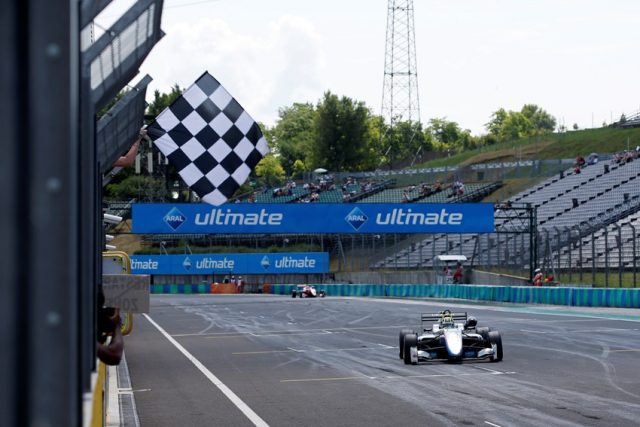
(400, 100)
(51, 222)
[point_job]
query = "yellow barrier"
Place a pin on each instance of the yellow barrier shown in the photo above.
(115, 259)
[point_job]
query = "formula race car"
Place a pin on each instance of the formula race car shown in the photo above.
(453, 337)
(307, 291)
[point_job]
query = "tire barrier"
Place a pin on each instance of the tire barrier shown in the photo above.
(578, 296)
(582, 297)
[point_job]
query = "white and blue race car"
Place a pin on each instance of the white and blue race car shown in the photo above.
(450, 337)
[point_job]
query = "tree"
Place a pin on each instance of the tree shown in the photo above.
(542, 121)
(575, 126)
(163, 100)
(144, 188)
(298, 169)
(293, 135)
(530, 120)
(496, 121)
(515, 126)
(448, 136)
(342, 134)
(270, 171)
(405, 140)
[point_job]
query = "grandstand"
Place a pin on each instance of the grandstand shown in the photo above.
(580, 220)
(573, 210)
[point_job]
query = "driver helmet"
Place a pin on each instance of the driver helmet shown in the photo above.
(447, 317)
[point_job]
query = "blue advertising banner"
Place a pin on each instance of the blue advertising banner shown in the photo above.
(253, 218)
(251, 263)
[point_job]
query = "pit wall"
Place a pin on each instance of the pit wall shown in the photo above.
(582, 297)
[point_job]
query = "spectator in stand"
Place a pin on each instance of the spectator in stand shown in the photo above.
(425, 190)
(437, 187)
(629, 156)
(537, 277)
(457, 188)
(580, 162)
(576, 170)
(592, 159)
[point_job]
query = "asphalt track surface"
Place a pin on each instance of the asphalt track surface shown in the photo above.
(242, 360)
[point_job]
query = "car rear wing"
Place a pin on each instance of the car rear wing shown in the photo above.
(436, 317)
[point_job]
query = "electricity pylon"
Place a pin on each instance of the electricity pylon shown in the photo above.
(400, 100)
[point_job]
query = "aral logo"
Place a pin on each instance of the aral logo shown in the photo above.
(186, 263)
(356, 218)
(174, 218)
(265, 263)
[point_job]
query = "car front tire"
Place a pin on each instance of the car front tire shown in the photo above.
(403, 332)
(410, 340)
(496, 338)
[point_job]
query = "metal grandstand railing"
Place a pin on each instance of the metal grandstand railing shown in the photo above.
(120, 126)
(114, 59)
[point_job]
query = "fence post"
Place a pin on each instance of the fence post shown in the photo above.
(633, 235)
(606, 257)
(619, 244)
(593, 259)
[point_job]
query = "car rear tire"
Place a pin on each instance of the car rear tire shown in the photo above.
(496, 338)
(322, 294)
(410, 340)
(293, 293)
(403, 332)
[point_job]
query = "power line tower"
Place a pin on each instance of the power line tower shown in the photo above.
(400, 101)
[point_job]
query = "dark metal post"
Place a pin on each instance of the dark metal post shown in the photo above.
(606, 257)
(533, 239)
(633, 235)
(39, 221)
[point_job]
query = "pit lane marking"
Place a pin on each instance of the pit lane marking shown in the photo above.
(239, 403)
(624, 350)
(393, 377)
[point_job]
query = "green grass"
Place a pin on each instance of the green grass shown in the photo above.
(601, 279)
(546, 147)
(597, 280)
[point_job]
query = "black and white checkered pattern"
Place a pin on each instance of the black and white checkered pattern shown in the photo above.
(210, 139)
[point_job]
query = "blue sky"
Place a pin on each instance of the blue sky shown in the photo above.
(574, 58)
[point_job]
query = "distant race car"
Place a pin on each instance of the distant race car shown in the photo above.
(307, 291)
(453, 337)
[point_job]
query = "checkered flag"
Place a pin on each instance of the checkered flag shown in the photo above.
(210, 139)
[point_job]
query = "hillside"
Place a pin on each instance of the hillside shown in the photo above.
(553, 146)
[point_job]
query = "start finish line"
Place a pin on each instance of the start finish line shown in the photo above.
(348, 218)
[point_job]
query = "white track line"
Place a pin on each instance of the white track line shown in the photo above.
(243, 407)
